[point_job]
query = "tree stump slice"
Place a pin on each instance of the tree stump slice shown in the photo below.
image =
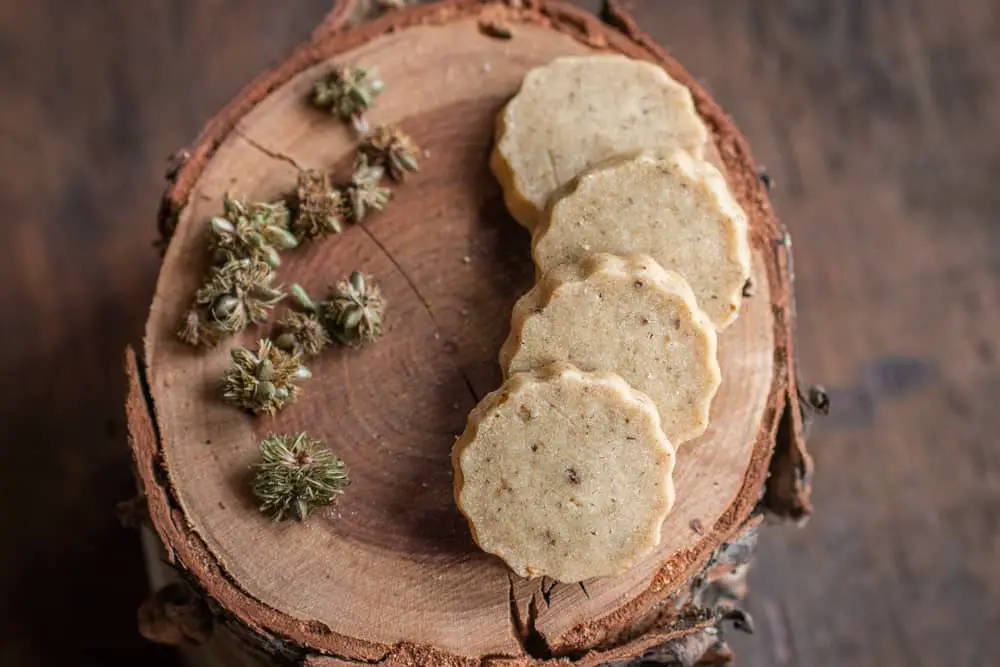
(389, 573)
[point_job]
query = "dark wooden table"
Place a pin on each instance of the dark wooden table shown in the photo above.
(878, 122)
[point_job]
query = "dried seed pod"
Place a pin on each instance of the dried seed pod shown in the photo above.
(265, 381)
(302, 334)
(296, 475)
(391, 148)
(347, 92)
(354, 309)
(364, 193)
(321, 208)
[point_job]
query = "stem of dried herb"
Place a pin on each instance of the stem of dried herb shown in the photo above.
(391, 148)
(296, 475)
(354, 310)
(265, 381)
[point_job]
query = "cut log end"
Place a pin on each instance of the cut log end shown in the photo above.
(390, 573)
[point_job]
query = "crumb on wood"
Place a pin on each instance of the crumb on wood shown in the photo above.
(466, 259)
(697, 526)
(597, 40)
(495, 27)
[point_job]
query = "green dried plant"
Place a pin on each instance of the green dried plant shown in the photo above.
(321, 208)
(389, 147)
(302, 300)
(354, 310)
(364, 193)
(302, 334)
(347, 92)
(237, 294)
(265, 381)
(296, 475)
(251, 231)
(192, 331)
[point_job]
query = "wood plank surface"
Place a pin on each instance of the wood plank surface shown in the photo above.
(876, 121)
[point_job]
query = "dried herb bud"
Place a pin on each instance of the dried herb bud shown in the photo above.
(237, 294)
(251, 231)
(190, 332)
(296, 475)
(390, 148)
(302, 334)
(347, 91)
(265, 381)
(364, 192)
(322, 208)
(353, 312)
(302, 299)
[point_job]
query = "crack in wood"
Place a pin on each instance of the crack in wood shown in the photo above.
(515, 617)
(423, 301)
(265, 150)
(547, 591)
(532, 642)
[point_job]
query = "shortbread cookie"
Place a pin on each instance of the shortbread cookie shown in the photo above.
(624, 315)
(579, 110)
(565, 474)
(671, 206)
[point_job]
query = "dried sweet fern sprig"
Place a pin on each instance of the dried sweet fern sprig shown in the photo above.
(347, 92)
(264, 381)
(297, 475)
(354, 309)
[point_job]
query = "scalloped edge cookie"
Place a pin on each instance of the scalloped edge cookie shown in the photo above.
(670, 205)
(575, 112)
(624, 315)
(565, 474)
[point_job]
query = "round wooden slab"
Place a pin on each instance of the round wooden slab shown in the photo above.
(393, 563)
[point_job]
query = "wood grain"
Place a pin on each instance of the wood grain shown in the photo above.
(393, 410)
(885, 153)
